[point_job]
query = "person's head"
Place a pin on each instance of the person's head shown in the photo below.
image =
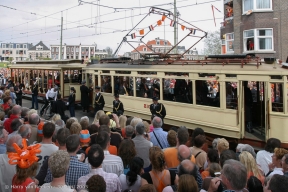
(23, 174)
(95, 155)
(129, 131)
(157, 122)
(59, 123)
(271, 144)
(97, 89)
(278, 155)
(285, 163)
(59, 162)
(70, 121)
(184, 153)
(157, 158)
(15, 124)
(222, 145)
(98, 115)
(226, 155)
(34, 119)
(127, 151)
(155, 100)
(249, 149)
(135, 121)
(62, 135)
(214, 143)
(96, 183)
(25, 131)
(16, 110)
(187, 183)
(24, 112)
(171, 138)
(147, 188)
(2, 115)
(199, 141)
(122, 121)
(213, 156)
(197, 131)
(92, 129)
(55, 118)
(11, 89)
(84, 138)
(187, 167)
(75, 128)
(116, 97)
(13, 139)
(7, 100)
(234, 175)
(254, 184)
(214, 169)
(129, 119)
(182, 136)
(239, 147)
(72, 90)
(140, 129)
(3, 135)
(103, 139)
(135, 169)
(277, 183)
(104, 128)
(147, 127)
(48, 130)
(73, 143)
(104, 120)
(84, 122)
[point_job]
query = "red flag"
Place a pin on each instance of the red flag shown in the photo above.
(141, 32)
(159, 22)
(163, 17)
(183, 27)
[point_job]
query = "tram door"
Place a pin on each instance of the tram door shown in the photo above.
(254, 102)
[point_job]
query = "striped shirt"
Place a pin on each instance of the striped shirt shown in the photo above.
(112, 181)
(112, 164)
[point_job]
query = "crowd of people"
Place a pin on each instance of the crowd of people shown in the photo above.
(119, 153)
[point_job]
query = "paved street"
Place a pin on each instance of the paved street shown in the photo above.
(78, 113)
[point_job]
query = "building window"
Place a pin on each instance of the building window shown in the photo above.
(230, 42)
(17, 46)
(68, 49)
(77, 49)
(11, 52)
(25, 46)
(157, 42)
(24, 51)
(40, 54)
(3, 45)
(11, 45)
(261, 5)
(144, 49)
(258, 40)
(57, 49)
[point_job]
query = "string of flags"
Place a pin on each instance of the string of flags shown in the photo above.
(159, 23)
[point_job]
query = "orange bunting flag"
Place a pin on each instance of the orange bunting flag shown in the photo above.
(159, 22)
(183, 27)
(163, 17)
(141, 32)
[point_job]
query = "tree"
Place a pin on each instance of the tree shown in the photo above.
(109, 51)
(212, 44)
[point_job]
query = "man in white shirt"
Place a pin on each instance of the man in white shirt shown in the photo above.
(95, 158)
(111, 163)
(47, 146)
(8, 171)
(51, 95)
(264, 157)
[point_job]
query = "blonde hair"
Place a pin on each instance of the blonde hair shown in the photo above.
(122, 121)
(98, 115)
(55, 118)
(135, 121)
(147, 126)
(7, 93)
(222, 145)
(250, 163)
(280, 152)
(31, 111)
(187, 183)
(75, 128)
(59, 162)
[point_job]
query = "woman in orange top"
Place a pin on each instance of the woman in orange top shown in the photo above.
(7, 102)
(212, 157)
(250, 163)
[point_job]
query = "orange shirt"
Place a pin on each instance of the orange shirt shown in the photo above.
(205, 174)
(171, 157)
(112, 150)
(261, 178)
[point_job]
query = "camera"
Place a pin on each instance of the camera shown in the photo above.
(110, 116)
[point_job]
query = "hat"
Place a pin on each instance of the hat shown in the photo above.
(40, 130)
(84, 136)
(116, 95)
(97, 87)
(83, 82)
(26, 156)
(155, 98)
(34, 79)
(72, 88)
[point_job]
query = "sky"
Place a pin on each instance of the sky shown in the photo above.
(32, 21)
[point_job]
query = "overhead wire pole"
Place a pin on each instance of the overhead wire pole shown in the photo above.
(61, 37)
(175, 26)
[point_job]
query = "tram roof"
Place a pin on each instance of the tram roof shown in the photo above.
(250, 68)
(48, 64)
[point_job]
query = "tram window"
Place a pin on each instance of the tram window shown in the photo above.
(277, 97)
(178, 90)
(96, 81)
(144, 87)
(106, 84)
(208, 93)
(123, 85)
(146, 73)
(123, 72)
(231, 95)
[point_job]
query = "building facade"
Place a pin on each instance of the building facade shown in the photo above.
(39, 51)
(158, 45)
(255, 26)
(77, 52)
(16, 51)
